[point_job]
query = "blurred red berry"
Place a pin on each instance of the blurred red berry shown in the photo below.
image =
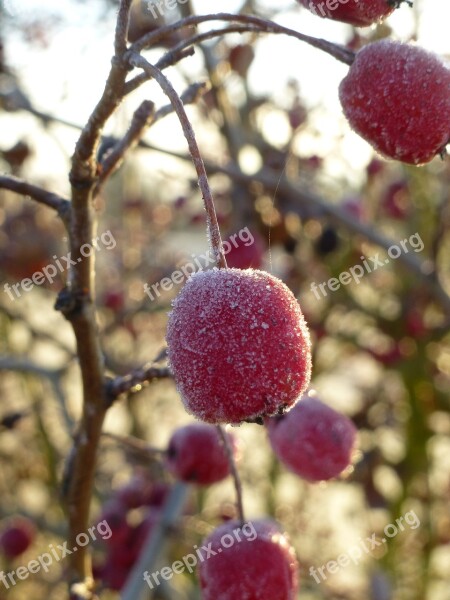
(246, 256)
(196, 454)
(313, 440)
(240, 58)
(17, 536)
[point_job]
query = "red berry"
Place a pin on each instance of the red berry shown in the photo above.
(397, 97)
(238, 345)
(356, 12)
(241, 58)
(17, 536)
(313, 440)
(136, 492)
(261, 565)
(115, 514)
(245, 256)
(196, 453)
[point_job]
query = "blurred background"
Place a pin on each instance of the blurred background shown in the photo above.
(286, 169)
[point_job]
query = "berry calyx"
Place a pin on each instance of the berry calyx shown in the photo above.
(397, 97)
(251, 561)
(238, 346)
(360, 13)
(313, 440)
(196, 454)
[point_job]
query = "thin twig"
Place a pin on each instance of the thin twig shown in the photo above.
(120, 38)
(142, 118)
(213, 226)
(14, 184)
(234, 472)
(134, 382)
(339, 52)
(135, 444)
(181, 50)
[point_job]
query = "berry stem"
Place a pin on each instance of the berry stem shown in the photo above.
(234, 473)
(211, 217)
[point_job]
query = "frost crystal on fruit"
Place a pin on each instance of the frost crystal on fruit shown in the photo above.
(238, 345)
(397, 97)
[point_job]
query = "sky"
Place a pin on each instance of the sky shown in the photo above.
(67, 78)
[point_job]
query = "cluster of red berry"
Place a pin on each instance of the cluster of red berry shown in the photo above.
(239, 349)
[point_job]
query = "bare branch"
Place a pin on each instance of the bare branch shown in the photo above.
(183, 49)
(264, 25)
(142, 118)
(14, 184)
(120, 40)
(135, 382)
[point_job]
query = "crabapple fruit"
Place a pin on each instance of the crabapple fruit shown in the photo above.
(196, 454)
(397, 97)
(238, 345)
(17, 536)
(252, 561)
(313, 440)
(361, 13)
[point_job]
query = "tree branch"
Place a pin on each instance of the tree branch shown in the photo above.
(264, 25)
(134, 382)
(14, 184)
(76, 303)
(142, 118)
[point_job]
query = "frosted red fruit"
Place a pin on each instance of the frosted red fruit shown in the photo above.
(238, 345)
(16, 537)
(360, 13)
(255, 562)
(313, 440)
(196, 454)
(397, 97)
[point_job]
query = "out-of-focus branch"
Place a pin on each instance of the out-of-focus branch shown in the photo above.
(14, 184)
(142, 118)
(134, 382)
